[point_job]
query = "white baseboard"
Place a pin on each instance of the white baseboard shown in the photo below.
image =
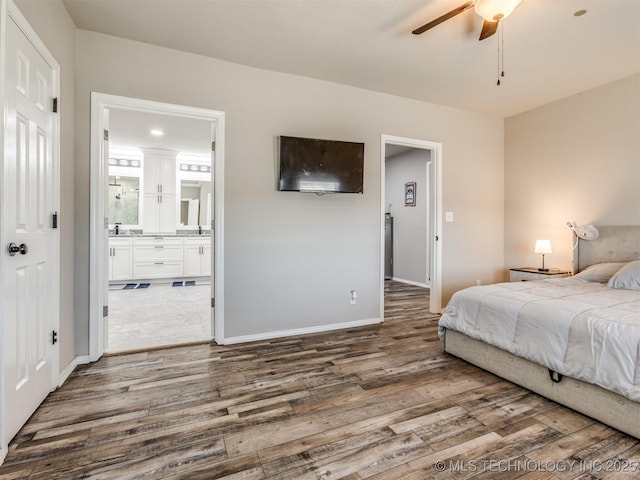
(410, 282)
(79, 360)
(297, 331)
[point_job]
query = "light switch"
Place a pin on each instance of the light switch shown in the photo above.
(448, 217)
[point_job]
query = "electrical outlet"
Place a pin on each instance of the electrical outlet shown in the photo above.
(448, 216)
(354, 297)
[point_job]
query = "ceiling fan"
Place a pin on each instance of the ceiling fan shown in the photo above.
(492, 11)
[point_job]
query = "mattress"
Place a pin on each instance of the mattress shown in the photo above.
(576, 328)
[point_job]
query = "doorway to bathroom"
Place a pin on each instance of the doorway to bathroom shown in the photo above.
(158, 243)
(159, 211)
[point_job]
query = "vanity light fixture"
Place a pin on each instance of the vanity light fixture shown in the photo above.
(190, 167)
(123, 162)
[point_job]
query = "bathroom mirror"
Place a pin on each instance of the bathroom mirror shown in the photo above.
(124, 200)
(195, 203)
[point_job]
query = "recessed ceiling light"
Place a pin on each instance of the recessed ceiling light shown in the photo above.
(579, 13)
(156, 132)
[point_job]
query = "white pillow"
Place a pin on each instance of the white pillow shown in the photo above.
(628, 277)
(600, 272)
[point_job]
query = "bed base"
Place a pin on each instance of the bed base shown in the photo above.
(594, 401)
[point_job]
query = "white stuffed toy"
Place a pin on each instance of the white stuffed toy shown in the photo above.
(586, 232)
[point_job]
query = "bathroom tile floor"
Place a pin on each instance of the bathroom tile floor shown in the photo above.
(158, 315)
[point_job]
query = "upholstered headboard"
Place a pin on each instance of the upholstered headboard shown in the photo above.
(615, 244)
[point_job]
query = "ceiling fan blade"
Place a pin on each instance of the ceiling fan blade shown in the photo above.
(488, 29)
(443, 18)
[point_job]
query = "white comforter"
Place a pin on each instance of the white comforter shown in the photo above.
(581, 329)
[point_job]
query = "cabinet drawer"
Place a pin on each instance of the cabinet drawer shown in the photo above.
(519, 276)
(158, 240)
(157, 270)
(120, 242)
(197, 241)
(157, 253)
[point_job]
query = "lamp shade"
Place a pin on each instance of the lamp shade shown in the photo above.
(494, 10)
(543, 246)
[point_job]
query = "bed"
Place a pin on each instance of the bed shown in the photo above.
(574, 340)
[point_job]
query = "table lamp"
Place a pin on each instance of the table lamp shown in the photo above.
(542, 247)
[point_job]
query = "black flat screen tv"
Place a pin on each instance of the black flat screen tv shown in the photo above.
(320, 166)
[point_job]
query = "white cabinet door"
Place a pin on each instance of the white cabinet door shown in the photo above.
(158, 213)
(150, 202)
(120, 258)
(197, 256)
(159, 173)
(151, 173)
(121, 263)
(192, 260)
(159, 202)
(167, 214)
(167, 172)
(206, 259)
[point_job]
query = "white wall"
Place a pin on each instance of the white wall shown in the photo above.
(291, 259)
(55, 28)
(410, 259)
(575, 159)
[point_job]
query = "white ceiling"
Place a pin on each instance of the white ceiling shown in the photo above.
(131, 128)
(549, 53)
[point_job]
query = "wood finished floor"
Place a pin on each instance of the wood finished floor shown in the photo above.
(379, 402)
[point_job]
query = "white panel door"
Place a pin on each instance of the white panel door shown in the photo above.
(27, 350)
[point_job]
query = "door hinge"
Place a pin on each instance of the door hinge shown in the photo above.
(106, 135)
(213, 303)
(213, 146)
(54, 105)
(105, 310)
(54, 220)
(54, 337)
(212, 224)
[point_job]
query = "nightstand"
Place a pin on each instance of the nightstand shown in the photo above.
(527, 273)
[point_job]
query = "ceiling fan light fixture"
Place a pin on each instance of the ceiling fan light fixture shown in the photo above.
(495, 10)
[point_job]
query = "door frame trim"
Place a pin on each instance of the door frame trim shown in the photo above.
(98, 214)
(434, 213)
(8, 9)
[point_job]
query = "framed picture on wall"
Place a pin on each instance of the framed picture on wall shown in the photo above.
(410, 194)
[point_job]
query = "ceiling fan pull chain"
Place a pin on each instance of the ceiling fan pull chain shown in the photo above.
(500, 53)
(502, 42)
(499, 62)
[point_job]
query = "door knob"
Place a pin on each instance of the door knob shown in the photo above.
(12, 249)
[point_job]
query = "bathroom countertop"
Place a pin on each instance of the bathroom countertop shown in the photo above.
(139, 233)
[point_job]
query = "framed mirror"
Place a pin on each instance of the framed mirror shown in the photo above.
(195, 203)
